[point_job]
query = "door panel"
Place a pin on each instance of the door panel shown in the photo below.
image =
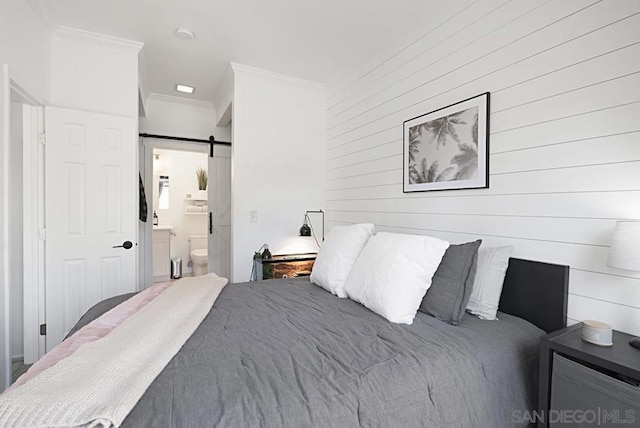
(219, 251)
(91, 207)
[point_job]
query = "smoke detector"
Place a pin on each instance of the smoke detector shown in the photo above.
(184, 33)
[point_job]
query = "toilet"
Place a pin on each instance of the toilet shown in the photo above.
(198, 250)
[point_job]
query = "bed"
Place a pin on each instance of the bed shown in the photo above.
(288, 353)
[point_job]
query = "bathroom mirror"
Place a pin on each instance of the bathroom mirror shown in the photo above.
(161, 192)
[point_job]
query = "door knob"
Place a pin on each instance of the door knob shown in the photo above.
(126, 245)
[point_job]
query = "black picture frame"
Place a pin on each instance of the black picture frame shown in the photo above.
(448, 148)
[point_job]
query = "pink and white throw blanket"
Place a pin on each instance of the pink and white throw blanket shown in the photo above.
(93, 331)
(106, 372)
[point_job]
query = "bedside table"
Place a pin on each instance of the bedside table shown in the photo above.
(588, 385)
(284, 266)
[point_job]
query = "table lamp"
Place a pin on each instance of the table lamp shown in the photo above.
(625, 252)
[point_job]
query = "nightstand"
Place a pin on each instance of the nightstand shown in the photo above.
(588, 385)
(284, 266)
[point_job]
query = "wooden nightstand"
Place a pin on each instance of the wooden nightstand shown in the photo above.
(284, 266)
(580, 381)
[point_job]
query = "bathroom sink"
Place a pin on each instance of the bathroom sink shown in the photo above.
(163, 227)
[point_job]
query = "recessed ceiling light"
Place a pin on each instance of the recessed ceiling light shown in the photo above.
(184, 88)
(184, 33)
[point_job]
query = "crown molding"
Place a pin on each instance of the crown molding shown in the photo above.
(179, 100)
(97, 39)
(270, 74)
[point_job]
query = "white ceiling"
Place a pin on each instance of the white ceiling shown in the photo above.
(311, 39)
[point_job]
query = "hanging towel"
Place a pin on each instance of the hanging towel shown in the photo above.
(143, 201)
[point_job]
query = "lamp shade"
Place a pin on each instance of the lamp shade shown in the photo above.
(625, 246)
(305, 230)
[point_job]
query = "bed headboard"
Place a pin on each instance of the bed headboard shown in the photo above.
(537, 292)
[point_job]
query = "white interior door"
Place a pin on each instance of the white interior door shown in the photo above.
(91, 207)
(219, 187)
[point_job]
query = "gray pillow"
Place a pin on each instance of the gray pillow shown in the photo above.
(452, 283)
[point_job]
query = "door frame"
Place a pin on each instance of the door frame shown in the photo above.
(33, 222)
(12, 90)
(5, 328)
(145, 238)
(34, 232)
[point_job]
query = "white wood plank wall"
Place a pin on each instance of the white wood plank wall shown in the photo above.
(564, 77)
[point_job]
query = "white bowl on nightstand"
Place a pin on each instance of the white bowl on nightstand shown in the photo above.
(596, 332)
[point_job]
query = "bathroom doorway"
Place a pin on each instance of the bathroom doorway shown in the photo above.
(188, 216)
(179, 215)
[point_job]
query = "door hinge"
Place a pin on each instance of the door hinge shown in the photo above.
(43, 329)
(42, 234)
(42, 138)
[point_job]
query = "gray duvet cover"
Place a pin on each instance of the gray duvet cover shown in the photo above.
(286, 353)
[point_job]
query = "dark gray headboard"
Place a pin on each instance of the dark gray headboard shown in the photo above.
(537, 292)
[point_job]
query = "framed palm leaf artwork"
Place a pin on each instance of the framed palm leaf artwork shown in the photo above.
(448, 148)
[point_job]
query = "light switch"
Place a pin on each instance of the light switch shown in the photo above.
(253, 216)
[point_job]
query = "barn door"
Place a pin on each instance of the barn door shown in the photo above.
(219, 188)
(90, 213)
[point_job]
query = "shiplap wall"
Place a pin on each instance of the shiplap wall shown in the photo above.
(564, 77)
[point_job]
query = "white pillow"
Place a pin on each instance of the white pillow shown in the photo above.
(393, 273)
(487, 285)
(337, 256)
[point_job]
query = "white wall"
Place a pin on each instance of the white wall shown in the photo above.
(278, 160)
(224, 97)
(25, 45)
(15, 231)
(180, 166)
(564, 147)
(143, 82)
(180, 117)
(93, 72)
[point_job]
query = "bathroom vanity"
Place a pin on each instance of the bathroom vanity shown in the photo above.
(161, 253)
